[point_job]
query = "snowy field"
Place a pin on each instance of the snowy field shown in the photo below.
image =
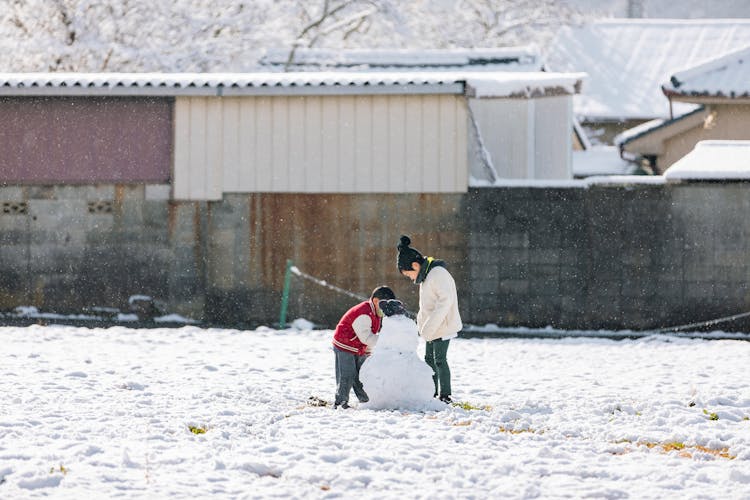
(107, 413)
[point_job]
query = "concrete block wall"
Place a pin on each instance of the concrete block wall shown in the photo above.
(76, 247)
(637, 256)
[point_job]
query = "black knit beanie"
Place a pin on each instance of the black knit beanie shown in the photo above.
(407, 254)
(392, 307)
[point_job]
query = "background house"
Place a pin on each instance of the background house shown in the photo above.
(628, 60)
(666, 9)
(720, 91)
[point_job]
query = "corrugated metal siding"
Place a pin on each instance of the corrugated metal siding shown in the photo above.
(552, 138)
(196, 149)
(315, 144)
(85, 140)
(527, 138)
(504, 125)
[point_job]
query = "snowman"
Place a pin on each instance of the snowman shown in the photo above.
(394, 377)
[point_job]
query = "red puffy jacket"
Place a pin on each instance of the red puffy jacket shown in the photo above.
(345, 338)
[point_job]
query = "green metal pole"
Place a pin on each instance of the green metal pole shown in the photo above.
(285, 293)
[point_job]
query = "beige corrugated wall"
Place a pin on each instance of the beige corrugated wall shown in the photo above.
(506, 126)
(527, 138)
(553, 146)
(320, 144)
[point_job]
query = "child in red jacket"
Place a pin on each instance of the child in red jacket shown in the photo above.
(356, 333)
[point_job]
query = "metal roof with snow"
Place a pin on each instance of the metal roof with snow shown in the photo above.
(524, 58)
(476, 84)
(629, 60)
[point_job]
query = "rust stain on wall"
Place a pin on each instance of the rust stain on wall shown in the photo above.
(172, 208)
(119, 197)
(346, 240)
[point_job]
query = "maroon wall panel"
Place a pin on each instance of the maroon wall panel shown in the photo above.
(85, 140)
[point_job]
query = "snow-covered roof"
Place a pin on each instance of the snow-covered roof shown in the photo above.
(480, 84)
(524, 58)
(713, 160)
(600, 160)
(726, 76)
(523, 84)
(650, 126)
(638, 131)
(629, 60)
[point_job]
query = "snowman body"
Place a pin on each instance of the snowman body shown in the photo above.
(394, 376)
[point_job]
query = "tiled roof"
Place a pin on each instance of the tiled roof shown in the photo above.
(726, 76)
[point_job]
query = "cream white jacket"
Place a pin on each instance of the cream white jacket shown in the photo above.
(438, 316)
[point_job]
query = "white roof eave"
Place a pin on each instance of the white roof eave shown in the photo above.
(163, 91)
(303, 83)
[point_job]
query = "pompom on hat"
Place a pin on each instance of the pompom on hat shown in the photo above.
(407, 254)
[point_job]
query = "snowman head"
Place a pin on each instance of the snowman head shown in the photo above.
(392, 307)
(379, 294)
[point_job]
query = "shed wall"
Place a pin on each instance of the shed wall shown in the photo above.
(320, 144)
(527, 138)
(85, 140)
(552, 138)
(504, 125)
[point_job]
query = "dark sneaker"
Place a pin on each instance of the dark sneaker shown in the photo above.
(446, 399)
(343, 406)
(316, 401)
(365, 400)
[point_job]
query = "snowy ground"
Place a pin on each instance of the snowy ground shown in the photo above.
(90, 413)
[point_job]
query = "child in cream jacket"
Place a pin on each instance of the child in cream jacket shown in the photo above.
(438, 319)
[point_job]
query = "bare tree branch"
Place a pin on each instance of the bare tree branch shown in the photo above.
(105, 63)
(356, 28)
(231, 35)
(70, 33)
(326, 13)
(525, 24)
(357, 19)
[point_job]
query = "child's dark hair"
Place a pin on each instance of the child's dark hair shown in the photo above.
(407, 254)
(382, 293)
